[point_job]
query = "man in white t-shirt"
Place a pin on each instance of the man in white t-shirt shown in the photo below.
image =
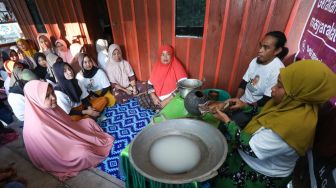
(261, 75)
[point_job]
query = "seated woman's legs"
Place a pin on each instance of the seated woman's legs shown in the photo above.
(235, 173)
(111, 100)
(99, 103)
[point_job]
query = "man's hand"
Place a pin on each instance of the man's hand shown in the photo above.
(237, 103)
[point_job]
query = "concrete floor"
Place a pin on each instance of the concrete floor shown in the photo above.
(15, 152)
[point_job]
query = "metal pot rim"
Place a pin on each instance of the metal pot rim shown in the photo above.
(181, 82)
(200, 177)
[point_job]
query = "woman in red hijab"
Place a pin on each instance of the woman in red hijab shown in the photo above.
(166, 72)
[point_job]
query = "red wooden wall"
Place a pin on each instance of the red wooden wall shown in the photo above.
(61, 18)
(232, 31)
(64, 19)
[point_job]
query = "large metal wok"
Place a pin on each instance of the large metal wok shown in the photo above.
(211, 142)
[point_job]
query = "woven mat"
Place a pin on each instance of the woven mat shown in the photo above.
(123, 122)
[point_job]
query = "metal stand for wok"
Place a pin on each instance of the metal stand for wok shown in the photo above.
(136, 180)
(175, 109)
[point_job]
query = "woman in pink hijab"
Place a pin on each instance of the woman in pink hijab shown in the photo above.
(54, 143)
(63, 51)
(45, 44)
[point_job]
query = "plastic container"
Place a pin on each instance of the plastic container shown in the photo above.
(222, 94)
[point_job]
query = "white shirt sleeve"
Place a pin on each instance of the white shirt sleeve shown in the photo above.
(104, 81)
(84, 90)
(129, 69)
(63, 101)
(249, 69)
(102, 59)
(266, 143)
(17, 103)
(7, 84)
(272, 81)
(273, 76)
(80, 78)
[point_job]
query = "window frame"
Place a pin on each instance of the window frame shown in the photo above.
(189, 31)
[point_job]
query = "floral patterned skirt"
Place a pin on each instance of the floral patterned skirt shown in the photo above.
(236, 173)
(122, 97)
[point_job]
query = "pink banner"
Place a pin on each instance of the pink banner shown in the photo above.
(318, 39)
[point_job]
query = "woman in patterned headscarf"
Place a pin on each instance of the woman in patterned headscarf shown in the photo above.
(264, 153)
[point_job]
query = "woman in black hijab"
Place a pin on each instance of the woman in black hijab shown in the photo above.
(72, 96)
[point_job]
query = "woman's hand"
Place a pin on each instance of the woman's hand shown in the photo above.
(166, 101)
(155, 99)
(238, 104)
(126, 90)
(91, 112)
(221, 116)
(129, 92)
(132, 89)
(135, 90)
(216, 105)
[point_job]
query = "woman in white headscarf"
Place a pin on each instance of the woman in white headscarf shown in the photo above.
(122, 77)
(101, 47)
(51, 60)
(75, 49)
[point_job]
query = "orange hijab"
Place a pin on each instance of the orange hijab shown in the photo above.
(9, 67)
(165, 76)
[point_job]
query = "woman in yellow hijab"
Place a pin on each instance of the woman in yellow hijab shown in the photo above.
(26, 53)
(264, 154)
(25, 47)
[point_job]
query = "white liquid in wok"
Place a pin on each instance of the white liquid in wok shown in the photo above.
(175, 154)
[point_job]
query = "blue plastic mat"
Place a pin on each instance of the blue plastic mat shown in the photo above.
(123, 122)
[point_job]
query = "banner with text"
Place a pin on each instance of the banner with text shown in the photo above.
(318, 40)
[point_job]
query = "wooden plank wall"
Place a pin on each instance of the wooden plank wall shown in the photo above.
(64, 19)
(61, 18)
(233, 29)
